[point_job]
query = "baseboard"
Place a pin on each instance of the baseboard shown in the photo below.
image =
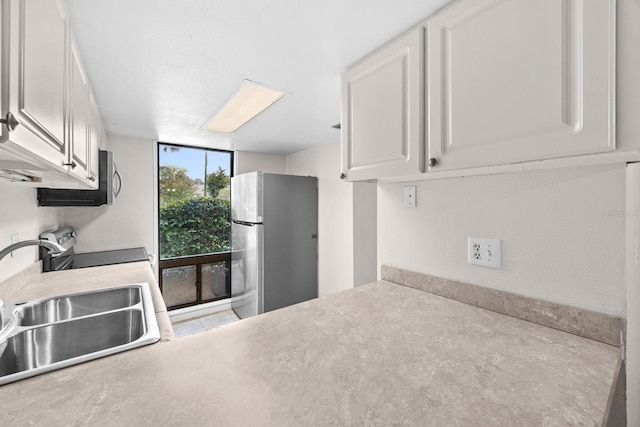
(199, 310)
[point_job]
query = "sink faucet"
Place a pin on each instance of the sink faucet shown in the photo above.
(54, 248)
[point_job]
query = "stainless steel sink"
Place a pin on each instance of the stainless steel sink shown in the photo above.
(78, 305)
(48, 334)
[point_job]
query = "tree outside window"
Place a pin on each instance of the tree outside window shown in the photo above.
(194, 203)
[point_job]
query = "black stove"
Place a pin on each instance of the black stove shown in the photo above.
(68, 259)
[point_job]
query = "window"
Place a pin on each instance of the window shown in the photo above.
(194, 224)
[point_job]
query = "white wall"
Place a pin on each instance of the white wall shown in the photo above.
(562, 232)
(129, 222)
(335, 215)
(365, 237)
(247, 161)
(20, 215)
(628, 135)
(632, 216)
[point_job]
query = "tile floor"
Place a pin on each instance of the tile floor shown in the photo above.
(200, 324)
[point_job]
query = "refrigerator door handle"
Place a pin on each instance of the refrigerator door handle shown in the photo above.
(249, 224)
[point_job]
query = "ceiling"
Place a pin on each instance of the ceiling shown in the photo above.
(160, 68)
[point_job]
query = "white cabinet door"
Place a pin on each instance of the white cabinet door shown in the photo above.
(4, 71)
(95, 129)
(37, 67)
(80, 116)
(519, 80)
(382, 98)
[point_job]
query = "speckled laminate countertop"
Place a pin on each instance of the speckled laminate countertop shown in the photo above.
(379, 354)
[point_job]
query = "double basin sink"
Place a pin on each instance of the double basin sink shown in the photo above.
(52, 333)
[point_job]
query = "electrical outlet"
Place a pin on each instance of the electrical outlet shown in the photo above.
(410, 196)
(485, 252)
(15, 238)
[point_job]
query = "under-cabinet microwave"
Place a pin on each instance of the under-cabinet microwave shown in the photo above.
(109, 186)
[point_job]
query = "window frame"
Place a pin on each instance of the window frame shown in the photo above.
(191, 260)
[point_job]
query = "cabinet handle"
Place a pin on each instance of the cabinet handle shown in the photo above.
(432, 162)
(90, 178)
(72, 164)
(343, 176)
(10, 121)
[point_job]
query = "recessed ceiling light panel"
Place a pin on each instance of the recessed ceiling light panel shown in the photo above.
(250, 100)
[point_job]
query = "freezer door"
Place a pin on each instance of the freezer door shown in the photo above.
(246, 269)
(246, 197)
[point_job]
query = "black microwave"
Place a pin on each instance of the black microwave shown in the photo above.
(109, 186)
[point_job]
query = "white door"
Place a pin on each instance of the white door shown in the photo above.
(80, 116)
(93, 143)
(519, 80)
(382, 111)
(4, 70)
(38, 55)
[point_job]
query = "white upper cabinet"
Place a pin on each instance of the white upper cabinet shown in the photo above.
(484, 83)
(45, 90)
(382, 98)
(519, 80)
(37, 77)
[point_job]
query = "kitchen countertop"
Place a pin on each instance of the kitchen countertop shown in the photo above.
(378, 354)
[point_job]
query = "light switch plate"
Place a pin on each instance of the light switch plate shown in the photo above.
(410, 196)
(485, 252)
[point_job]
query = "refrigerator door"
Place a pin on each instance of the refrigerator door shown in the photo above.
(290, 240)
(246, 197)
(246, 269)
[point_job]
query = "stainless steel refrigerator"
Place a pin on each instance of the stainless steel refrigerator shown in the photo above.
(274, 241)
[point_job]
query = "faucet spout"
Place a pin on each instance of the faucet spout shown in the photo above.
(54, 248)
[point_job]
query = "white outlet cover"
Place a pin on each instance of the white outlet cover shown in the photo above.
(410, 196)
(484, 252)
